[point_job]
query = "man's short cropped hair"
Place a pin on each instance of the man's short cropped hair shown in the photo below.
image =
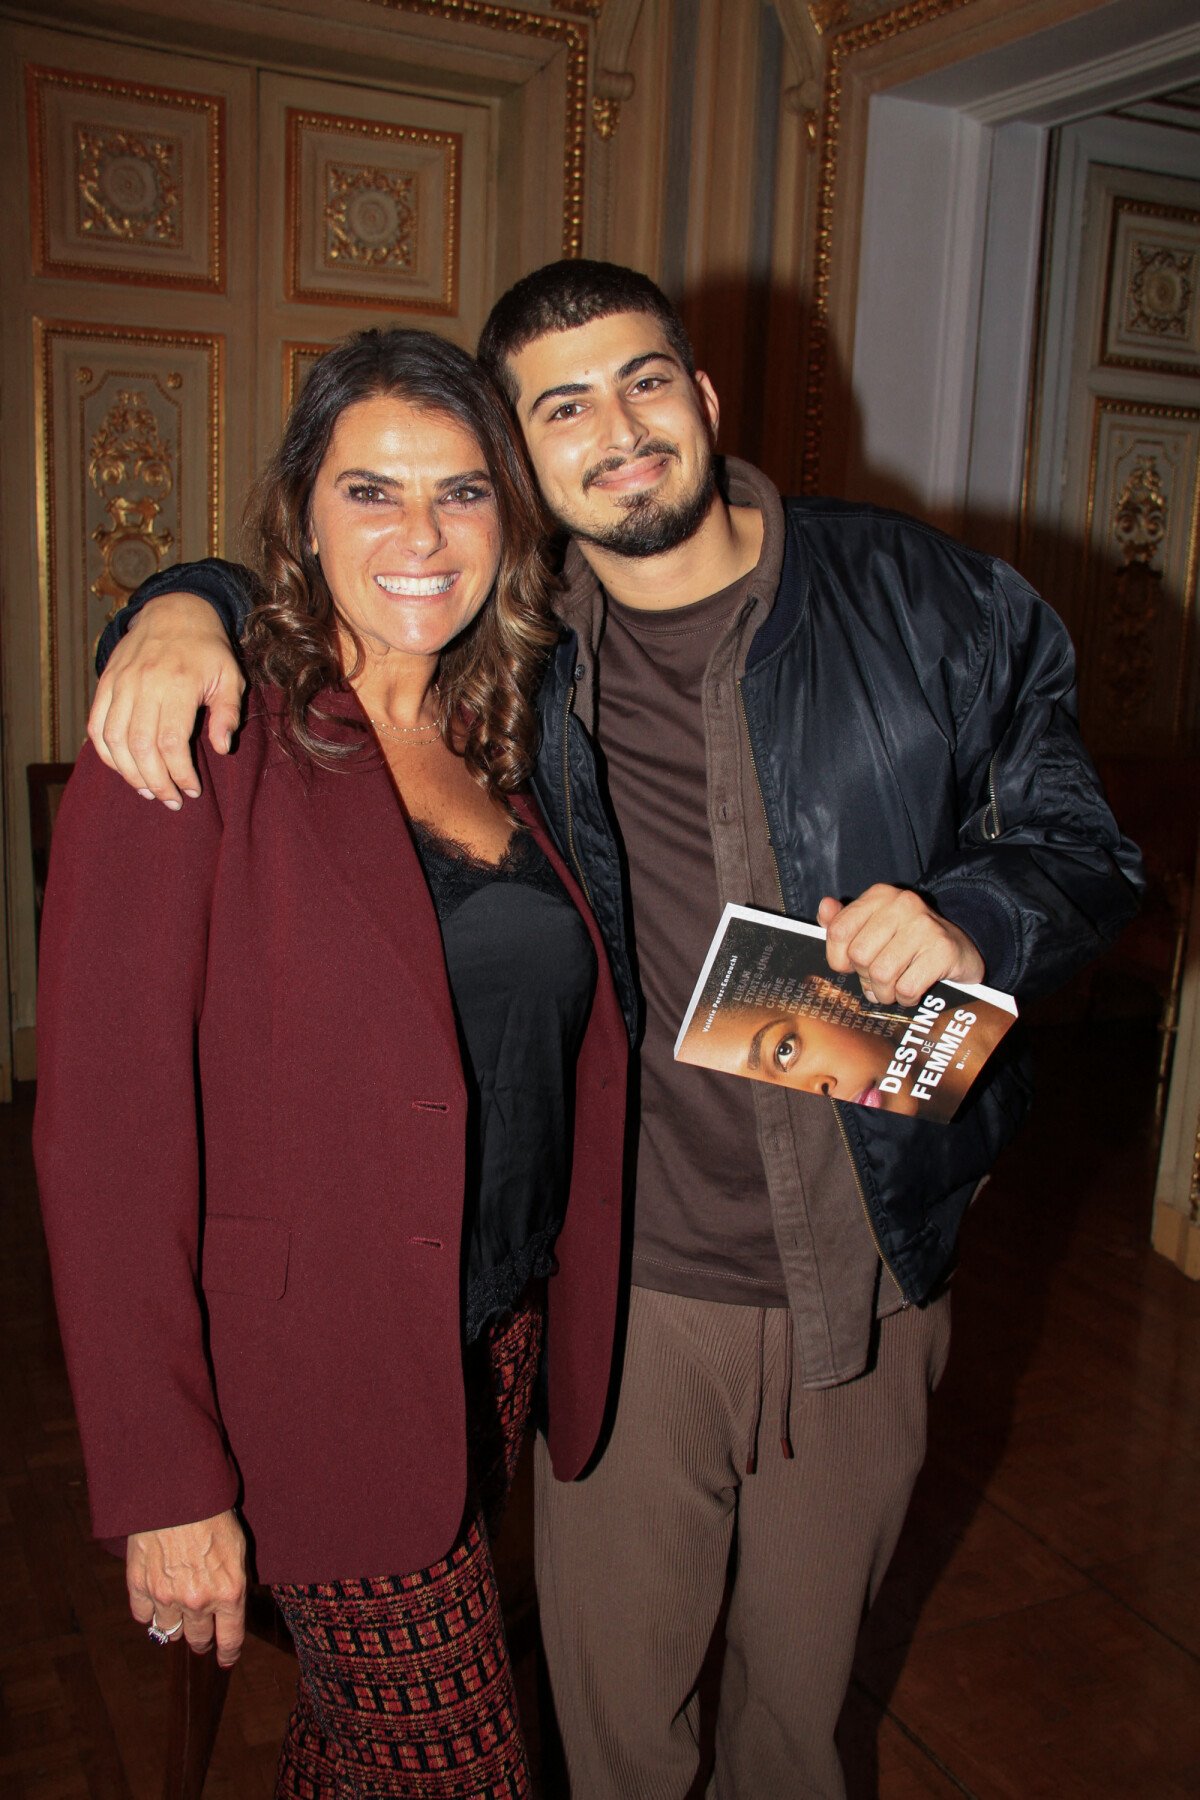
(565, 294)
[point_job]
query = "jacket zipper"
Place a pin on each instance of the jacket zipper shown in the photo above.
(566, 778)
(862, 1198)
(991, 822)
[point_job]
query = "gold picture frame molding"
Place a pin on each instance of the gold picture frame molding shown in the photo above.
(573, 38)
(1126, 206)
(373, 131)
(845, 44)
(212, 106)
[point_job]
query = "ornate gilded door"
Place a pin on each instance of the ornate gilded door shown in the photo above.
(1128, 456)
(195, 232)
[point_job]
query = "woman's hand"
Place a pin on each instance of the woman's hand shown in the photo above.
(174, 659)
(195, 1574)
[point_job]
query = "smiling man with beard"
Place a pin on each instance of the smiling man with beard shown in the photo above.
(820, 709)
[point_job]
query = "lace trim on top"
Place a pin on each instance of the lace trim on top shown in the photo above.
(454, 871)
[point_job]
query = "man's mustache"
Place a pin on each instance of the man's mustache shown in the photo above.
(610, 464)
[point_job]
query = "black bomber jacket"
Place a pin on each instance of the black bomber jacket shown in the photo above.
(911, 715)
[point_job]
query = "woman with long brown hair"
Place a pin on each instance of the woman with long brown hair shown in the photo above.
(346, 1104)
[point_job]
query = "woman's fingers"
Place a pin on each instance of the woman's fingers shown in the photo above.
(229, 1622)
(192, 1576)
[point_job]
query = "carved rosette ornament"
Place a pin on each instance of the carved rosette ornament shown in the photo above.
(1139, 528)
(1160, 291)
(370, 217)
(130, 468)
(127, 186)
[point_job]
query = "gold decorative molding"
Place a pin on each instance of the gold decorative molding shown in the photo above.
(573, 38)
(1143, 529)
(298, 360)
(125, 184)
(1152, 290)
(370, 217)
(1138, 528)
(333, 231)
(1161, 291)
(837, 15)
(606, 116)
(1140, 523)
(849, 37)
(123, 461)
(128, 185)
(133, 471)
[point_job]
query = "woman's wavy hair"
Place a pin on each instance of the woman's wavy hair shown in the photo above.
(488, 674)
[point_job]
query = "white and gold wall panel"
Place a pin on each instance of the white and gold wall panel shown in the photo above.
(298, 363)
(129, 482)
(1152, 308)
(127, 181)
(1143, 526)
(372, 211)
(377, 207)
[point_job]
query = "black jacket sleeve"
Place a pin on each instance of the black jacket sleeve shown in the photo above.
(1043, 878)
(226, 586)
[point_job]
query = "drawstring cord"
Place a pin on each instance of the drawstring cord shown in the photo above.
(785, 1389)
(785, 1400)
(752, 1446)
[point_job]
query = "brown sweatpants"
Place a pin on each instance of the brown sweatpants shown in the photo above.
(631, 1561)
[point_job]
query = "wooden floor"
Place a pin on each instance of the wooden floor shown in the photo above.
(1039, 1632)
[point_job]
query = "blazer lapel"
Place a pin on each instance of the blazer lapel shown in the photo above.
(357, 827)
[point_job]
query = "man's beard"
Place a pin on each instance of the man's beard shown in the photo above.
(650, 527)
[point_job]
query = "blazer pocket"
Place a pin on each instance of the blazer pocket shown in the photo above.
(245, 1256)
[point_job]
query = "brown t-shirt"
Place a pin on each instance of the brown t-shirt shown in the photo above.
(746, 1191)
(702, 1225)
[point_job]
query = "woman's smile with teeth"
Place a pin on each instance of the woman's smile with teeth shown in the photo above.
(416, 587)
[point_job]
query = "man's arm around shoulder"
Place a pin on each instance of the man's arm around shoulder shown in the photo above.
(165, 655)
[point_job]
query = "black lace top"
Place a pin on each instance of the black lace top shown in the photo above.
(522, 971)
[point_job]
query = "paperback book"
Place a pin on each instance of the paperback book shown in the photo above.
(767, 1006)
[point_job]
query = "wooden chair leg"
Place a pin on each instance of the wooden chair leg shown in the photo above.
(198, 1689)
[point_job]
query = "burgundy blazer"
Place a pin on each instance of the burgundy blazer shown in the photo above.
(250, 1146)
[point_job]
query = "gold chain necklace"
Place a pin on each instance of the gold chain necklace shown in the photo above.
(424, 733)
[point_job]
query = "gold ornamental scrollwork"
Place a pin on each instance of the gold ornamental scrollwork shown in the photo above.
(132, 470)
(606, 116)
(574, 40)
(364, 216)
(370, 217)
(126, 465)
(849, 36)
(1145, 538)
(1160, 291)
(127, 182)
(1153, 304)
(1140, 524)
(128, 186)
(1139, 527)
